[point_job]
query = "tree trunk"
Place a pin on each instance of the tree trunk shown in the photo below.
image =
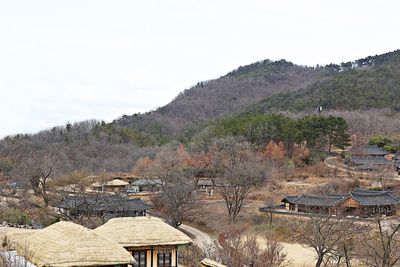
(45, 198)
(232, 218)
(319, 261)
(346, 257)
(338, 262)
(270, 218)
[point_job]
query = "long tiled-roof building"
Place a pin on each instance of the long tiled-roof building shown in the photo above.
(369, 151)
(359, 202)
(369, 158)
(109, 206)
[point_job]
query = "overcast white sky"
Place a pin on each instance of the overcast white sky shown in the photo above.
(73, 60)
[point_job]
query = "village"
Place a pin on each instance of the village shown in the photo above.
(115, 220)
(199, 133)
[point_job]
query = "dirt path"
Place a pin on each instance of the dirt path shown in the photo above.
(330, 162)
(201, 239)
(299, 255)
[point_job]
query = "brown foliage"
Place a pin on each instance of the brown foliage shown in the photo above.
(141, 165)
(274, 151)
(300, 154)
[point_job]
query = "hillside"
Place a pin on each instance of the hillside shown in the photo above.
(351, 90)
(223, 97)
(370, 83)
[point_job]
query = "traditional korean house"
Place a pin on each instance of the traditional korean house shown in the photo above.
(19, 186)
(396, 159)
(397, 166)
(127, 177)
(65, 244)
(370, 164)
(369, 151)
(369, 158)
(105, 206)
(151, 241)
(145, 185)
(205, 185)
(359, 202)
(99, 187)
(115, 186)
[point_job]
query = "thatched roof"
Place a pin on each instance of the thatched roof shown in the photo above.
(117, 182)
(14, 235)
(67, 244)
(97, 184)
(211, 263)
(142, 231)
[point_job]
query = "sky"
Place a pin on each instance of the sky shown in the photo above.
(72, 60)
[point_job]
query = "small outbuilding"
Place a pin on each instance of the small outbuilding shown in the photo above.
(205, 185)
(145, 185)
(115, 186)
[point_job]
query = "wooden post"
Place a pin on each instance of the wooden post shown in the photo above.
(176, 256)
(152, 256)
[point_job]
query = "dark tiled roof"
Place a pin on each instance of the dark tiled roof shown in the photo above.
(372, 150)
(397, 164)
(366, 167)
(364, 197)
(322, 201)
(396, 157)
(366, 192)
(18, 185)
(370, 161)
(147, 182)
(205, 182)
(373, 198)
(290, 199)
(109, 203)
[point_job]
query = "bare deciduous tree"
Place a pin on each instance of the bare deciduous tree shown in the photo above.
(380, 245)
(327, 234)
(178, 182)
(236, 249)
(38, 169)
(239, 169)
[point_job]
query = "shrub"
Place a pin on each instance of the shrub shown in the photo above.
(13, 215)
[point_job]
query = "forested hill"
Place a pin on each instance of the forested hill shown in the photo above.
(224, 96)
(372, 82)
(95, 146)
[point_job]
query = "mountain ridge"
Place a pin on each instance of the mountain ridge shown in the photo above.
(368, 83)
(262, 87)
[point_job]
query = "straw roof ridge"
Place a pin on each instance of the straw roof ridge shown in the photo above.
(117, 182)
(211, 263)
(14, 235)
(68, 244)
(142, 231)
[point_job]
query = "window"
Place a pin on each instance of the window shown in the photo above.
(164, 259)
(140, 258)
